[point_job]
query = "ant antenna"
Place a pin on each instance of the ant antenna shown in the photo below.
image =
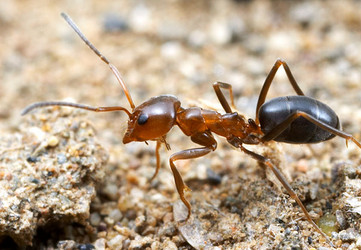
(74, 105)
(103, 58)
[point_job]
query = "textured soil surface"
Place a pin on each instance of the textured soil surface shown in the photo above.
(68, 182)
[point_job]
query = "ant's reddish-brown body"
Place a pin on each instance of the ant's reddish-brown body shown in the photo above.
(291, 119)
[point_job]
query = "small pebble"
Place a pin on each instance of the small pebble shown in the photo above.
(61, 158)
(99, 244)
(140, 18)
(167, 244)
(66, 244)
(32, 159)
(140, 220)
(111, 190)
(125, 231)
(305, 13)
(197, 38)
(158, 198)
(114, 23)
(350, 171)
(314, 191)
(328, 205)
(38, 133)
(220, 32)
(328, 224)
(116, 242)
(151, 221)
(213, 178)
(85, 246)
(95, 219)
(309, 240)
(341, 219)
(102, 228)
(355, 204)
(109, 221)
(323, 248)
(155, 245)
(348, 235)
(358, 243)
(53, 141)
(171, 50)
(141, 243)
(35, 181)
(115, 215)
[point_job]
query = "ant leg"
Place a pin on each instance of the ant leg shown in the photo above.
(217, 88)
(205, 139)
(159, 143)
(276, 131)
(102, 57)
(74, 105)
(286, 185)
(269, 80)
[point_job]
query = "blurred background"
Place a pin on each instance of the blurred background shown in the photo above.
(178, 47)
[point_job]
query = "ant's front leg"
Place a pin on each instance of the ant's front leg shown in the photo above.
(269, 80)
(157, 154)
(205, 139)
(222, 99)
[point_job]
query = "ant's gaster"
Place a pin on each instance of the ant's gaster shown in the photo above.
(291, 119)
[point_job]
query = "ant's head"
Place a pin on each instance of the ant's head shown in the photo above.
(152, 119)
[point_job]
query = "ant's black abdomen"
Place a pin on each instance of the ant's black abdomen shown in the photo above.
(277, 110)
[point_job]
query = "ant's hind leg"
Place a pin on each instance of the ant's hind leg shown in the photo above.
(267, 162)
(222, 99)
(269, 79)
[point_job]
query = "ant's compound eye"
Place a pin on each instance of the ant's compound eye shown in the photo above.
(143, 118)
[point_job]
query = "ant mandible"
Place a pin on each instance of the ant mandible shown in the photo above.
(292, 119)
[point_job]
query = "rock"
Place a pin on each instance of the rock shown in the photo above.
(35, 188)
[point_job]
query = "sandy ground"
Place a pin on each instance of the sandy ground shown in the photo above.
(181, 47)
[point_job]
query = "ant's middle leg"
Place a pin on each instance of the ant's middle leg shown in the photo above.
(276, 131)
(222, 99)
(205, 139)
(269, 80)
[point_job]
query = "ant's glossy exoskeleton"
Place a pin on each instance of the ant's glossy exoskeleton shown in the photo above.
(291, 119)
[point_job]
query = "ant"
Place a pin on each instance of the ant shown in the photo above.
(291, 119)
